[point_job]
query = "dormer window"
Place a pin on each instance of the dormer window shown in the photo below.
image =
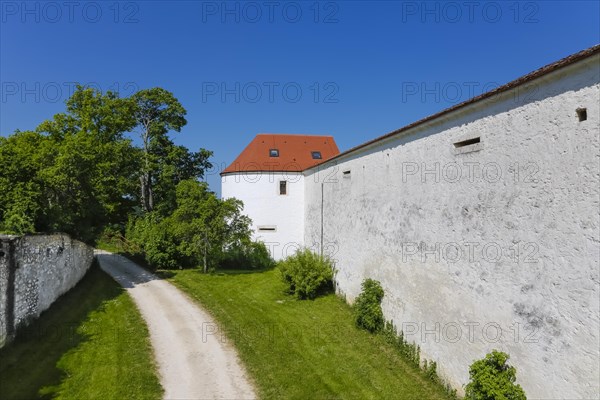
(316, 155)
(274, 153)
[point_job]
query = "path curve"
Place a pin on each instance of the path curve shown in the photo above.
(193, 362)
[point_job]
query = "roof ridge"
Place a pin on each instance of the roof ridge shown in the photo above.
(292, 134)
(523, 79)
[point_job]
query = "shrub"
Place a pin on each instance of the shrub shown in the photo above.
(156, 243)
(367, 308)
(253, 255)
(492, 378)
(306, 273)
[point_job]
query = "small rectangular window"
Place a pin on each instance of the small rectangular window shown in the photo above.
(467, 142)
(273, 153)
(316, 155)
(468, 145)
(346, 173)
(267, 228)
(282, 187)
(581, 114)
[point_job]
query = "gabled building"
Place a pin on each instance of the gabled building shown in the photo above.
(267, 177)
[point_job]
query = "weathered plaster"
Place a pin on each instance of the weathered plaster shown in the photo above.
(405, 218)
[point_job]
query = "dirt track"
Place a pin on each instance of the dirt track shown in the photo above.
(193, 362)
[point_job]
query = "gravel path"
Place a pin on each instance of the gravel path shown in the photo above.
(193, 362)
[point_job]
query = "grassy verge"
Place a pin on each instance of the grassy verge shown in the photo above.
(303, 349)
(91, 344)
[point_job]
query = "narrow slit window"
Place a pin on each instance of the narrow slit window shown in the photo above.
(467, 142)
(346, 173)
(582, 114)
(316, 155)
(267, 228)
(282, 187)
(274, 153)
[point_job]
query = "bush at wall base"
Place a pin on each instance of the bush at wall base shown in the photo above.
(306, 273)
(491, 378)
(247, 255)
(367, 307)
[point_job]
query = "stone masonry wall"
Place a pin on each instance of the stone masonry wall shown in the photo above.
(34, 271)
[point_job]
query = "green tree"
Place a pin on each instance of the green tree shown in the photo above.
(174, 164)
(207, 225)
(75, 173)
(156, 112)
(22, 157)
(78, 173)
(91, 181)
(199, 231)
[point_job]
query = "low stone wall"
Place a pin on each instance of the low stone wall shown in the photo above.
(34, 271)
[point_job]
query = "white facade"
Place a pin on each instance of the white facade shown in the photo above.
(482, 225)
(277, 220)
(489, 246)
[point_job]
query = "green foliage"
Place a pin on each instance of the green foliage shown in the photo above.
(411, 352)
(367, 307)
(155, 112)
(491, 378)
(78, 172)
(430, 370)
(306, 273)
(196, 233)
(156, 242)
(248, 255)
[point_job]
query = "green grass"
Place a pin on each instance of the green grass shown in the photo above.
(91, 344)
(303, 349)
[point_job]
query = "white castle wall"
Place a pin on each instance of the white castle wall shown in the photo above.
(490, 249)
(267, 208)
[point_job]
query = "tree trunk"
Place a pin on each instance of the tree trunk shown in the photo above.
(146, 187)
(146, 192)
(205, 251)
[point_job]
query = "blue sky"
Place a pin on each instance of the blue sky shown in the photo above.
(351, 69)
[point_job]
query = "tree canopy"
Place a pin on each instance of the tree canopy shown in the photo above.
(109, 164)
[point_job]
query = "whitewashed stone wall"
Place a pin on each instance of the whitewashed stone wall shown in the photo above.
(490, 249)
(34, 271)
(267, 208)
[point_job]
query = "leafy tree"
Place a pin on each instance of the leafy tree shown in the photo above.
(156, 112)
(91, 179)
(174, 164)
(492, 378)
(78, 173)
(200, 229)
(75, 173)
(22, 157)
(205, 224)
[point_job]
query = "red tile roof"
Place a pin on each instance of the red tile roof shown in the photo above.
(295, 153)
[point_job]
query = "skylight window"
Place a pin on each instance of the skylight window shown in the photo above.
(316, 155)
(274, 153)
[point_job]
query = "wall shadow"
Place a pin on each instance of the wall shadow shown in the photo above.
(29, 363)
